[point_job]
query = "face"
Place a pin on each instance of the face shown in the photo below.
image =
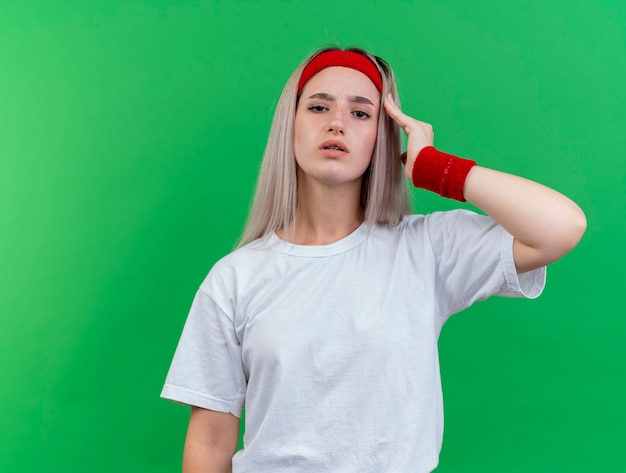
(335, 126)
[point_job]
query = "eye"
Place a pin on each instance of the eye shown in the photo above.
(360, 114)
(317, 108)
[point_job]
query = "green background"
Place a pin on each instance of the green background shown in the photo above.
(130, 139)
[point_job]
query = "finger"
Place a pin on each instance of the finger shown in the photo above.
(394, 112)
(405, 122)
(401, 119)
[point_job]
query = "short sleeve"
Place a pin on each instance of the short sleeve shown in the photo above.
(474, 260)
(207, 370)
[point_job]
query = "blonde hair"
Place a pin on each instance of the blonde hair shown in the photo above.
(384, 192)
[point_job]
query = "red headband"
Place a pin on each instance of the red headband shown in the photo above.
(337, 57)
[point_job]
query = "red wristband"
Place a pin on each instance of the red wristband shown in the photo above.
(441, 172)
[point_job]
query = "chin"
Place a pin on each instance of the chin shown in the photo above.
(332, 173)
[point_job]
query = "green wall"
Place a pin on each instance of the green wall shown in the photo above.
(130, 138)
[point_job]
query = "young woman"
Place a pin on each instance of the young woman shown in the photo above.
(324, 322)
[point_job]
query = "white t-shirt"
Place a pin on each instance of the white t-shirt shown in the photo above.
(333, 349)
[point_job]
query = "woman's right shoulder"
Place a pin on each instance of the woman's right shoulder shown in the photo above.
(237, 265)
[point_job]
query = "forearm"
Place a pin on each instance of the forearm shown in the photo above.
(545, 223)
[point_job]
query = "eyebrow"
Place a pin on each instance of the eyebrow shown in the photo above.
(352, 98)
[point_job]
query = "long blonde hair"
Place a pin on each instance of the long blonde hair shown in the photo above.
(384, 192)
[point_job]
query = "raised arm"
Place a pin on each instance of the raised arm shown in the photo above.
(211, 441)
(545, 224)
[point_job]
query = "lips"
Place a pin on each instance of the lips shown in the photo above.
(334, 145)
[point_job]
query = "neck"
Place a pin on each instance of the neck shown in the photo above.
(325, 214)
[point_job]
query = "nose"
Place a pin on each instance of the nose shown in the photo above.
(336, 123)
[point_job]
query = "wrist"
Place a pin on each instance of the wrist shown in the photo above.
(441, 172)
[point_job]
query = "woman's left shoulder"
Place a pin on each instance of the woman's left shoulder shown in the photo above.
(443, 218)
